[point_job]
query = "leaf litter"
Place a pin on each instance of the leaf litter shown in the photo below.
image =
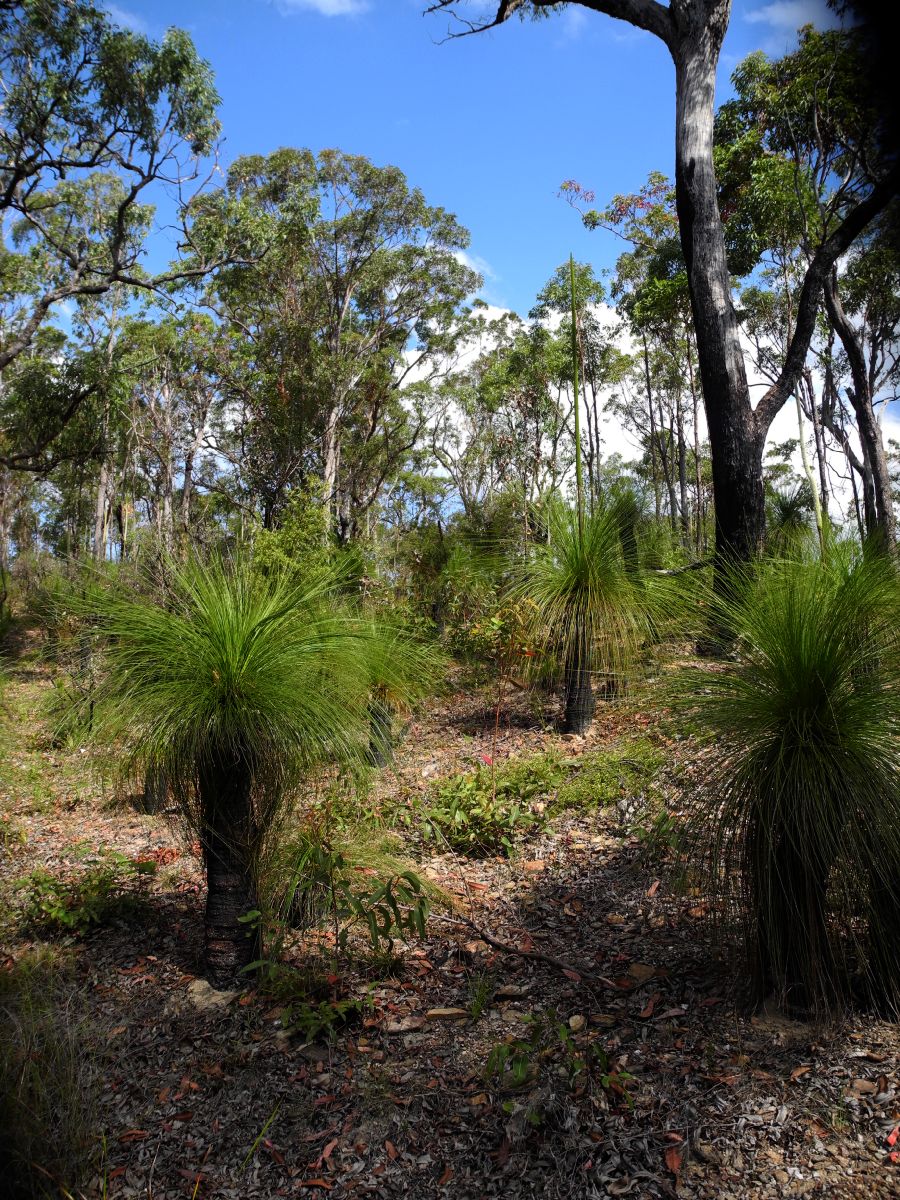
(207, 1095)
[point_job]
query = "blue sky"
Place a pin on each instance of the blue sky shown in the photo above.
(487, 126)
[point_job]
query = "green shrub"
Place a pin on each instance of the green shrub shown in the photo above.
(72, 904)
(605, 776)
(482, 812)
(50, 1076)
(552, 1044)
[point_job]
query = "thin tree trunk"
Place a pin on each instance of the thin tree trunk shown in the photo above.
(653, 447)
(100, 509)
(5, 527)
(682, 474)
(883, 525)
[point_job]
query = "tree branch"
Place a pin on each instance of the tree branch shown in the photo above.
(811, 293)
(649, 15)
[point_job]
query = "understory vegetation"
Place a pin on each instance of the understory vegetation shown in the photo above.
(401, 794)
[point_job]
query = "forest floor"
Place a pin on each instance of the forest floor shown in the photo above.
(637, 1071)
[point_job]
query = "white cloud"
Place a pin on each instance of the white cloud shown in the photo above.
(787, 16)
(126, 19)
(571, 25)
(475, 263)
(325, 8)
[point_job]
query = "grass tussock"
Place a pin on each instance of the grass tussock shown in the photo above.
(796, 819)
(50, 1076)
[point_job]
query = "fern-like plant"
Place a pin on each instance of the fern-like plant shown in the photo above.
(798, 815)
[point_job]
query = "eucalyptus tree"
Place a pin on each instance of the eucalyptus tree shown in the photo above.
(602, 364)
(95, 122)
(173, 404)
(693, 31)
(797, 147)
(361, 289)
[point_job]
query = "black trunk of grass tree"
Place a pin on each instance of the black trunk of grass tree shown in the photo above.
(228, 839)
(789, 948)
(381, 732)
(579, 692)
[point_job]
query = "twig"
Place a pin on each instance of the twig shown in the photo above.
(693, 566)
(538, 955)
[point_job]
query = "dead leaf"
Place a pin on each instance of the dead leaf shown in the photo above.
(647, 1011)
(798, 1072)
(391, 1149)
(673, 1157)
(404, 1025)
(641, 971)
(864, 1087)
(133, 1135)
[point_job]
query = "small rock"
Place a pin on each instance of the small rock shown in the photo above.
(512, 991)
(446, 1014)
(205, 997)
(404, 1024)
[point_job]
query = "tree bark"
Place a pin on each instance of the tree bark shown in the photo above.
(100, 510)
(580, 702)
(735, 440)
(227, 840)
(879, 522)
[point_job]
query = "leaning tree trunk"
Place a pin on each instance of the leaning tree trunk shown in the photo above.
(227, 840)
(579, 691)
(880, 523)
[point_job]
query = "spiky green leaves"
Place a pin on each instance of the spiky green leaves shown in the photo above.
(798, 816)
(586, 600)
(228, 664)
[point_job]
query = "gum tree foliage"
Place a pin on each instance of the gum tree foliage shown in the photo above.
(94, 120)
(693, 31)
(360, 289)
(602, 365)
(796, 149)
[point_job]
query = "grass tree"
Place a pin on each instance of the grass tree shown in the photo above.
(798, 814)
(591, 611)
(234, 685)
(400, 670)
